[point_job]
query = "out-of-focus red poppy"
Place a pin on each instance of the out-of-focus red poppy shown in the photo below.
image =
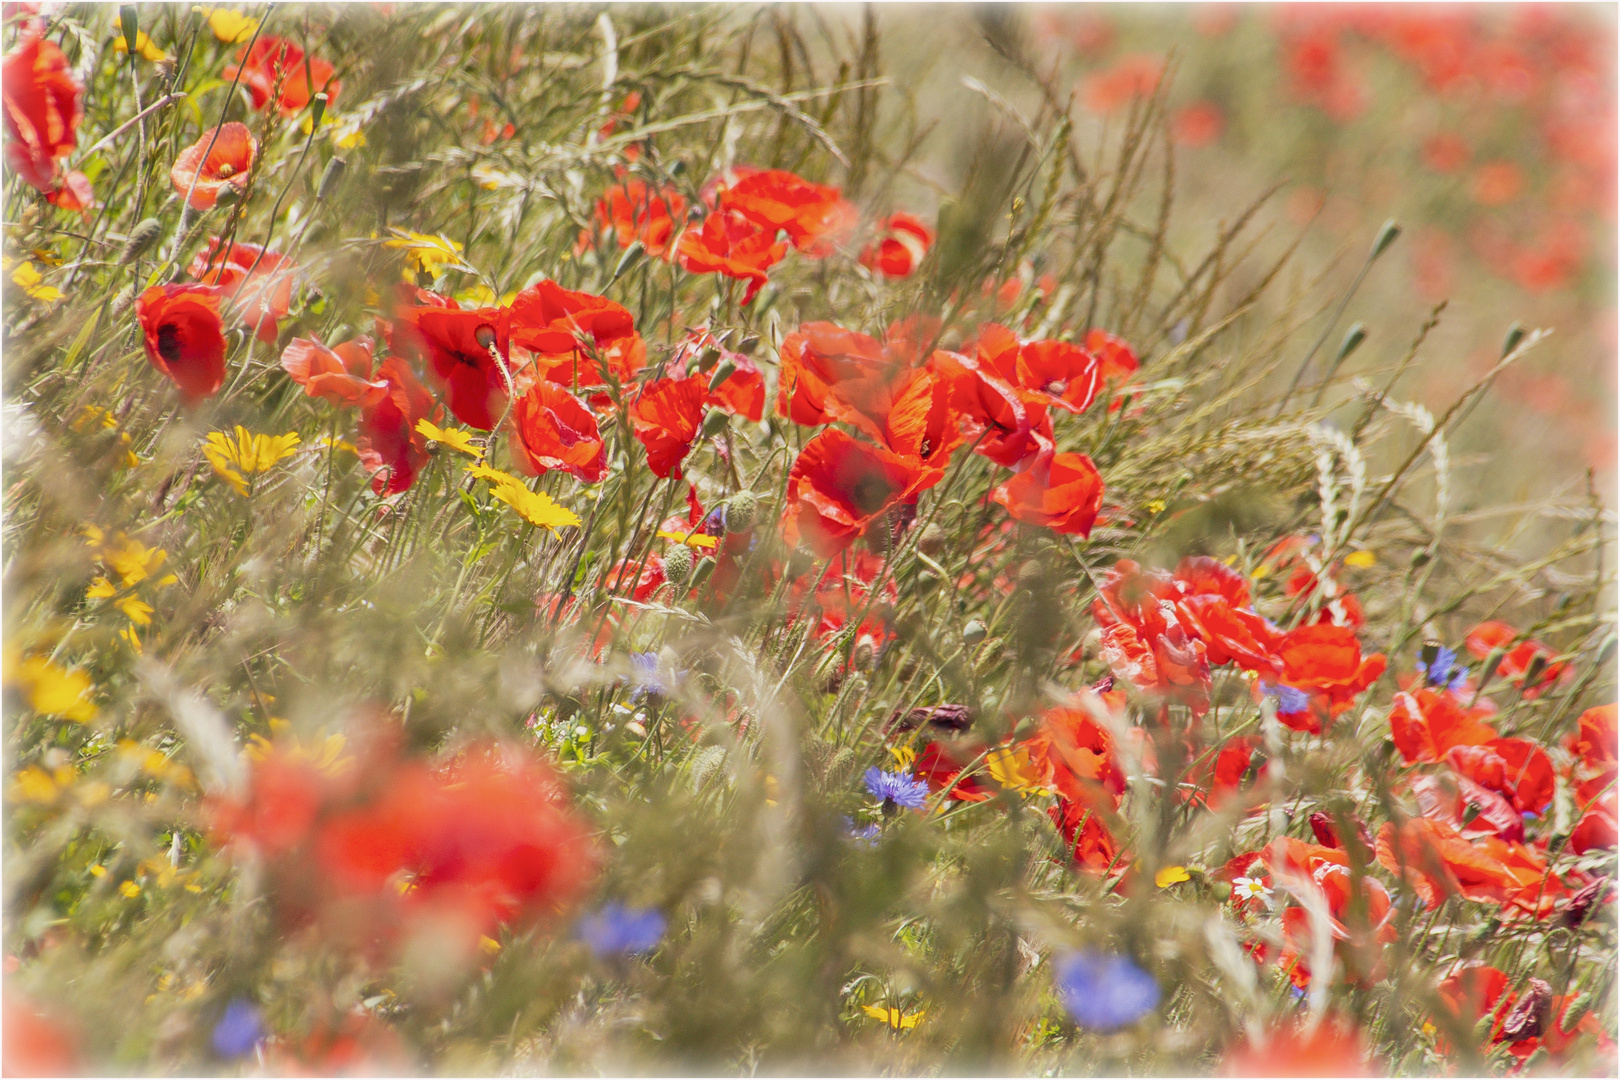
(1074, 754)
(1437, 862)
(1198, 124)
(75, 194)
(43, 106)
(838, 487)
(575, 338)
(1445, 152)
(1131, 76)
(832, 374)
(358, 1045)
(390, 447)
(184, 337)
(1470, 808)
(901, 247)
(1517, 769)
(553, 429)
(632, 210)
(276, 62)
(1428, 723)
(258, 281)
(1232, 633)
(1331, 1049)
(1518, 661)
(1471, 990)
(1143, 639)
(340, 374)
(465, 353)
(921, 421)
(36, 1044)
(1594, 776)
(941, 769)
(815, 216)
(1327, 662)
(666, 416)
(742, 393)
(1063, 492)
(732, 245)
(1497, 183)
(221, 159)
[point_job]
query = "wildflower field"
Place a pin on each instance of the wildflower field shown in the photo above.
(808, 540)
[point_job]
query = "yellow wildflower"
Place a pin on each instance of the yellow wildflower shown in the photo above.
(1013, 770)
(130, 889)
(135, 610)
(228, 25)
(249, 453)
(697, 540)
(494, 476)
(143, 45)
(454, 438)
(899, 1021)
(26, 278)
(51, 690)
(535, 507)
(1361, 560)
(98, 870)
(1170, 875)
(482, 295)
(1155, 506)
(35, 785)
(489, 944)
(903, 756)
(131, 560)
(426, 254)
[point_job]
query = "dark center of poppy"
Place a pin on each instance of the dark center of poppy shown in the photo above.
(871, 492)
(926, 448)
(168, 342)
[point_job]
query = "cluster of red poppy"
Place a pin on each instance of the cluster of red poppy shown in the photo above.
(44, 103)
(373, 845)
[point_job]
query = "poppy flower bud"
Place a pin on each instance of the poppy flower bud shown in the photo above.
(627, 262)
(865, 655)
(748, 344)
(317, 110)
(740, 512)
(1031, 575)
(330, 178)
(1529, 1016)
(1534, 670)
(1576, 1011)
(701, 572)
(973, 633)
(1581, 904)
(141, 238)
(1515, 335)
(130, 23)
(485, 336)
(715, 422)
(1352, 340)
(1386, 236)
(678, 564)
(932, 539)
(723, 371)
(1322, 827)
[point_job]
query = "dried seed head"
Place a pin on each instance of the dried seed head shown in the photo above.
(141, 237)
(1581, 904)
(1530, 1015)
(678, 564)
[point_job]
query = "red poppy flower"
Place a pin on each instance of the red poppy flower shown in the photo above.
(732, 245)
(43, 104)
(1232, 634)
(838, 487)
(1010, 426)
(1059, 373)
(1117, 358)
(1517, 769)
(1437, 861)
(221, 159)
(1198, 124)
(184, 337)
(921, 421)
(742, 393)
(904, 243)
(1143, 639)
(1231, 769)
(35, 1043)
(1485, 638)
(1471, 809)
(575, 338)
(554, 430)
(1428, 723)
(277, 62)
(1075, 754)
(390, 447)
(666, 415)
(814, 216)
(258, 281)
(941, 770)
(1060, 491)
(75, 194)
(456, 346)
(631, 211)
(1327, 661)
(829, 373)
(1594, 776)
(340, 374)
(1331, 1049)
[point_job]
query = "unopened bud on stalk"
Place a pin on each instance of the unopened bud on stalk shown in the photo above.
(723, 371)
(1534, 670)
(317, 110)
(865, 654)
(131, 25)
(741, 511)
(330, 178)
(627, 262)
(701, 572)
(678, 565)
(1515, 335)
(932, 539)
(748, 344)
(707, 358)
(124, 298)
(973, 633)
(714, 423)
(141, 238)
(1386, 236)
(1576, 1011)
(1352, 340)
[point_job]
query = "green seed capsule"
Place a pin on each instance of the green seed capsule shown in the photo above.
(677, 564)
(741, 511)
(141, 238)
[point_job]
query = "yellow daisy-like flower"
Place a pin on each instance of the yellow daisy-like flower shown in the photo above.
(135, 610)
(1013, 770)
(325, 754)
(229, 25)
(482, 295)
(1170, 875)
(26, 278)
(143, 45)
(537, 508)
(494, 476)
(1155, 506)
(1361, 560)
(454, 438)
(131, 560)
(426, 254)
(33, 785)
(345, 130)
(899, 1021)
(51, 690)
(248, 453)
(904, 756)
(697, 540)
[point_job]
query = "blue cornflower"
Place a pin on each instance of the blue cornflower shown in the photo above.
(864, 835)
(619, 929)
(238, 1031)
(1444, 671)
(1103, 991)
(649, 676)
(896, 789)
(1289, 699)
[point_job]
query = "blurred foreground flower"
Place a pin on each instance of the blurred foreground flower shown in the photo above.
(1104, 992)
(616, 929)
(248, 454)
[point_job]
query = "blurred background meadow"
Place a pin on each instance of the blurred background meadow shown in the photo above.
(831, 539)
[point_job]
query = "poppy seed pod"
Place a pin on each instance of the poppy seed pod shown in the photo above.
(677, 564)
(973, 633)
(330, 177)
(932, 539)
(141, 238)
(740, 512)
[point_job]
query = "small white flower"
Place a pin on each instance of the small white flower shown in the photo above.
(1248, 888)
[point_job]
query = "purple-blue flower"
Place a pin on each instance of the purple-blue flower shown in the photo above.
(238, 1030)
(865, 835)
(615, 929)
(896, 788)
(1444, 671)
(1289, 699)
(1103, 991)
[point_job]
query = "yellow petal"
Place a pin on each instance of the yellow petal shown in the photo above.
(1170, 875)
(231, 27)
(1360, 559)
(697, 540)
